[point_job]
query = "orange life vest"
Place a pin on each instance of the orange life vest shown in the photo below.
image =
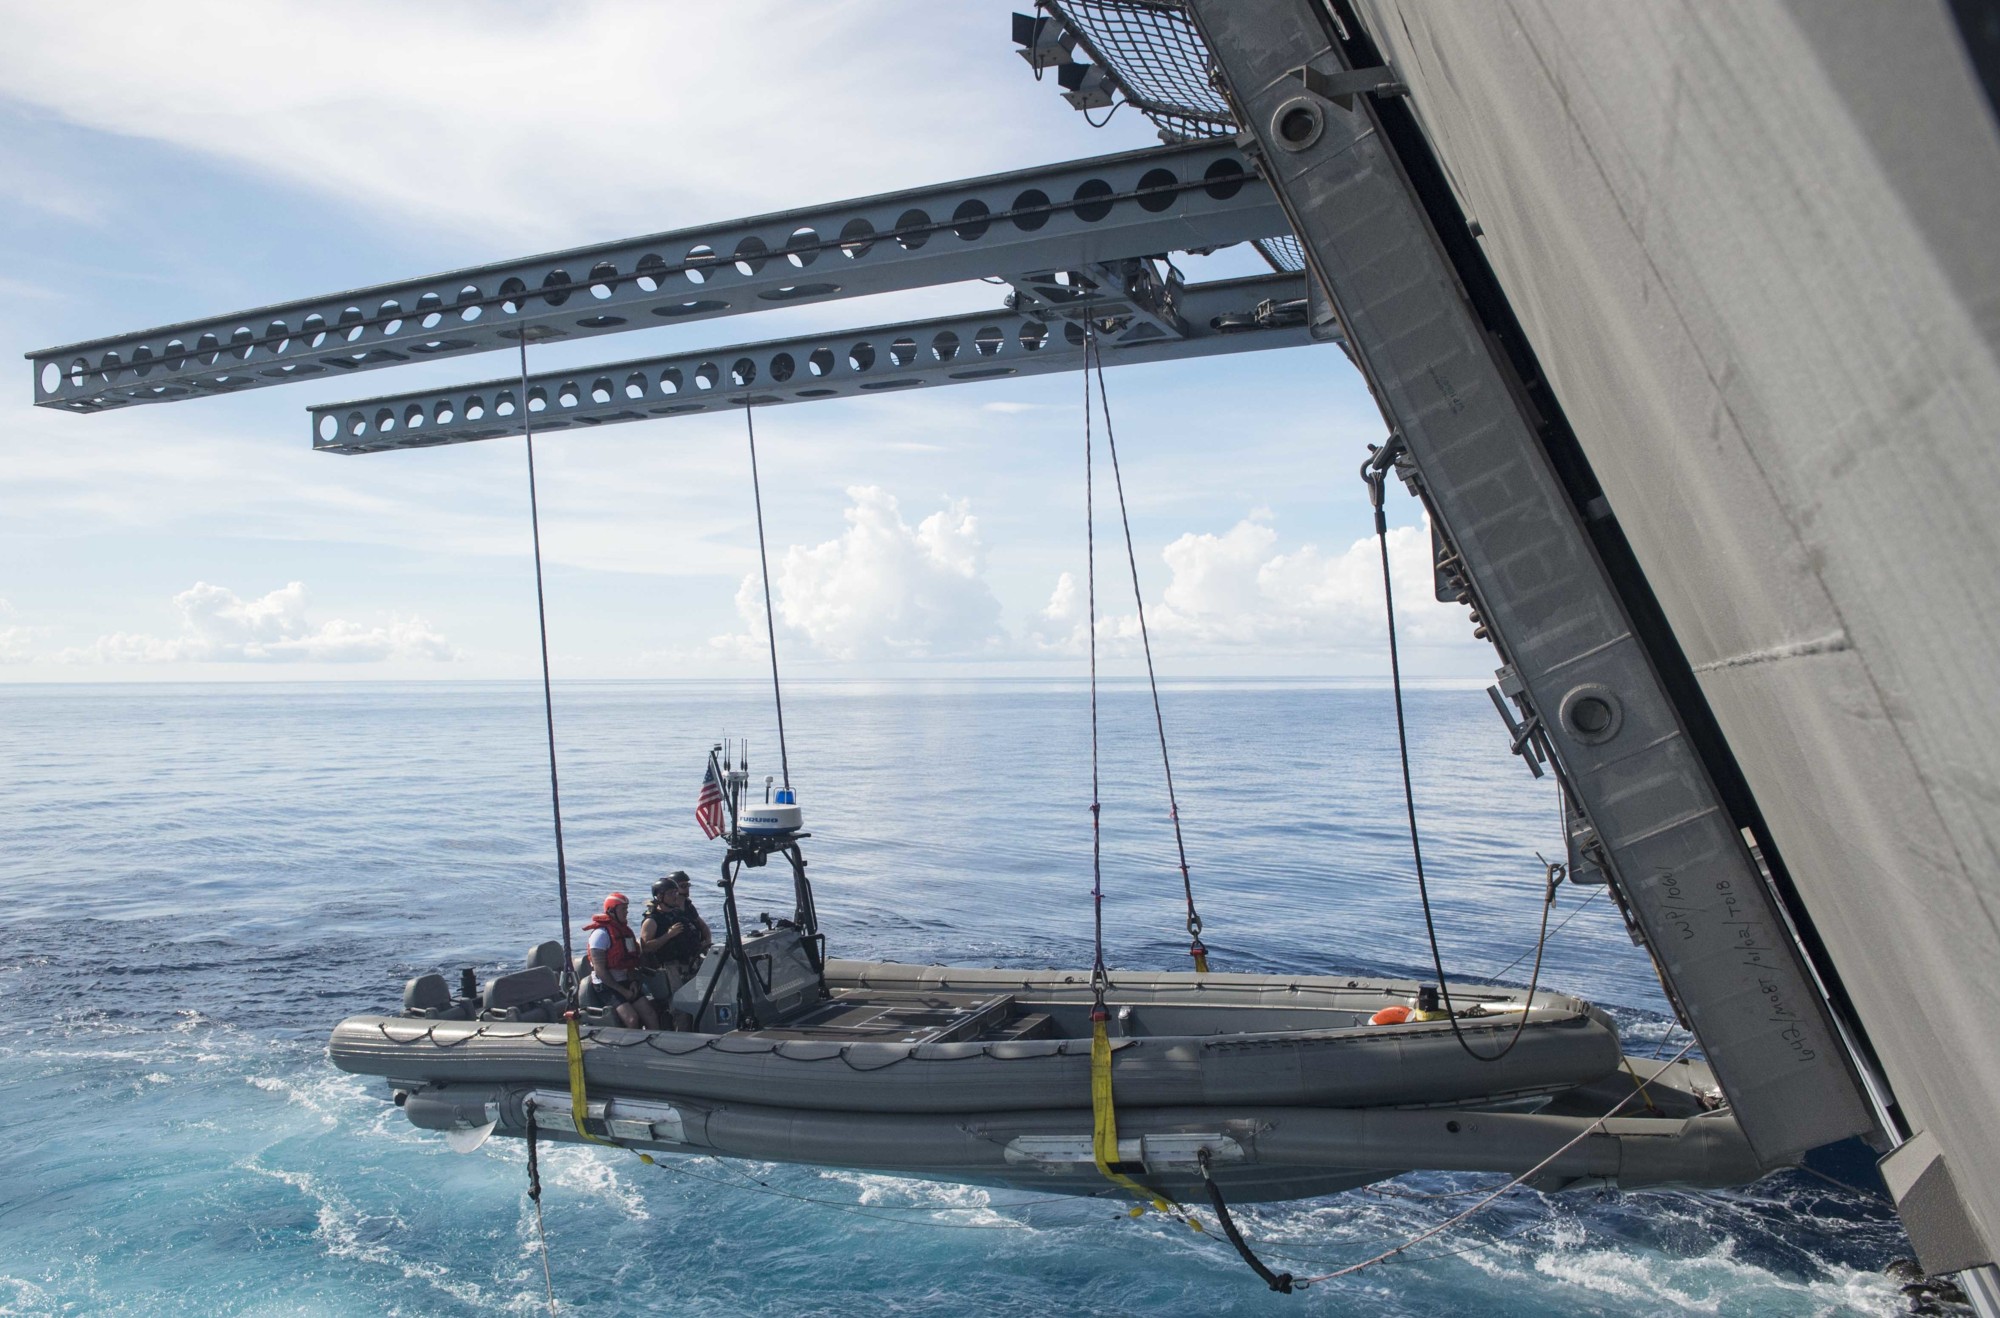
(624, 952)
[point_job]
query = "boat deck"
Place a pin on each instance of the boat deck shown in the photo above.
(879, 1016)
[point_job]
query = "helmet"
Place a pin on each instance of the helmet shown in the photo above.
(614, 901)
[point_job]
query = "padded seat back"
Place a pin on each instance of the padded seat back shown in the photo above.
(587, 995)
(506, 996)
(426, 995)
(547, 954)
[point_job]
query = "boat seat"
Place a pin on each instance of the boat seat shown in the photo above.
(429, 997)
(591, 1008)
(525, 995)
(549, 954)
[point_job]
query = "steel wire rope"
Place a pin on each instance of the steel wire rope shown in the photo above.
(568, 979)
(535, 1196)
(1276, 1251)
(1522, 1179)
(1562, 925)
(1098, 975)
(1094, 351)
(770, 626)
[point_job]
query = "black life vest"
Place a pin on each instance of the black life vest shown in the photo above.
(683, 946)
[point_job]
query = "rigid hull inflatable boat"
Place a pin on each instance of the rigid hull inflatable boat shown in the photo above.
(1268, 1086)
(984, 1076)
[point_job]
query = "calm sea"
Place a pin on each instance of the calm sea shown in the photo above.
(199, 881)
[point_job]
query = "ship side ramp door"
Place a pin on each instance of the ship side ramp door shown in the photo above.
(1478, 451)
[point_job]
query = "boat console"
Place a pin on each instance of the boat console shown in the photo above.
(783, 982)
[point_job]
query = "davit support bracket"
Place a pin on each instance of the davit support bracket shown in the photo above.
(1479, 446)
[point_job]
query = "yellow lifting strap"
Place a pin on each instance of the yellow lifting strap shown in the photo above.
(1104, 1136)
(1201, 963)
(578, 1098)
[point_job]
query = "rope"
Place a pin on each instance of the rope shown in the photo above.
(1522, 1179)
(1093, 350)
(1098, 975)
(770, 627)
(548, 695)
(1280, 1282)
(535, 1196)
(1574, 912)
(1104, 1125)
(1375, 471)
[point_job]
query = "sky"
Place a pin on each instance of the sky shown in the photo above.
(159, 163)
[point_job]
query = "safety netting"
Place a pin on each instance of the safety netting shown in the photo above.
(1162, 69)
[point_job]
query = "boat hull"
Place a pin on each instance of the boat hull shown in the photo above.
(1248, 1040)
(1278, 1080)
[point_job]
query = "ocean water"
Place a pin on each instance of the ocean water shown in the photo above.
(200, 881)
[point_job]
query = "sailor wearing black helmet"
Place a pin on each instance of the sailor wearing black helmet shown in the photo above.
(673, 936)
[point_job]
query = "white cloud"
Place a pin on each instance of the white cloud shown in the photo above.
(548, 123)
(218, 625)
(13, 638)
(1241, 590)
(883, 589)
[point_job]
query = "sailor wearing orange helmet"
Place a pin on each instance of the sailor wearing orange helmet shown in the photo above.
(614, 963)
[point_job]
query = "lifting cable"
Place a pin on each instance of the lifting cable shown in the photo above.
(1375, 472)
(770, 627)
(569, 977)
(1104, 1124)
(548, 696)
(1094, 352)
(573, 1040)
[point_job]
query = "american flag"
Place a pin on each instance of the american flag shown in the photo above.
(708, 805)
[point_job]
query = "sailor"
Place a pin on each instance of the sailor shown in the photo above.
(672, 935)
(614, 959)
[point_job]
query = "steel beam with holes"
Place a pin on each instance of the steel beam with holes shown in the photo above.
(1220, 317)
(1678, 858)
(1135, 204)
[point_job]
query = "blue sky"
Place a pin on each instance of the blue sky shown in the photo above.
(163, 162)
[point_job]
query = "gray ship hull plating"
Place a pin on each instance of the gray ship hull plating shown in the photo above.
(1752, 246)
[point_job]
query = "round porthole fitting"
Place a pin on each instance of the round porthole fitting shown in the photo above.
(1298, 123)
(1591, 714)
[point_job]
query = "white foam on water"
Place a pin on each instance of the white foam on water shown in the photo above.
(344, 1231)
(20, 1296)
(970, 1205)
(594, 1172)
(294, 1093)
(1717, 1282)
